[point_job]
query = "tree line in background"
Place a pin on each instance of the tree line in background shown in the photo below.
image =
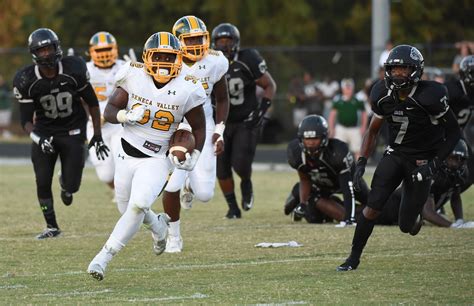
(262, 23)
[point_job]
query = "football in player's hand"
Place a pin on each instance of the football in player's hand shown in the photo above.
(182, 142)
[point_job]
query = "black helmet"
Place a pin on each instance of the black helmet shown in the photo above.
(457, 158)
(229, 31)
(313, 126)
(44, 37)
(403, 55)
(466, 70)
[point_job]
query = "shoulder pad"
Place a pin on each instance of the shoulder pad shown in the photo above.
(378, 91)
(76, 64)
(293, 153)
(340, 155)
(430, 92)
(123, 72)
(22, 81)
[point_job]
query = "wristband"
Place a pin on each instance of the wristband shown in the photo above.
(219, 129)
(35, 137)
(122, 116)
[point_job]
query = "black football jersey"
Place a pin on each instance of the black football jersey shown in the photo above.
(414, 125)
(57, 103)
(460, 101)
(325, 172)
(248, 67)
(445, 183)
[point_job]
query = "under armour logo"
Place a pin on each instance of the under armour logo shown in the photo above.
(121, 156)
(202, 67)
(172, 92)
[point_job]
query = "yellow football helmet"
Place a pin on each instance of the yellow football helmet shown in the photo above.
(103, 49)
(162, 42)
(191, 26)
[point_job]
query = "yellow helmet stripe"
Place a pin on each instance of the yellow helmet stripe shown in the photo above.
(102, 38)
(164, 38)
(193, 22)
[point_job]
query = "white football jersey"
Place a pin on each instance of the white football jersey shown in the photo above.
(209, 70)
(166, 106)
(103, 81)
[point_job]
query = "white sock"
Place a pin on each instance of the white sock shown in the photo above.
(126, 227)
(174, 229)
(104, 256)
(151, 223)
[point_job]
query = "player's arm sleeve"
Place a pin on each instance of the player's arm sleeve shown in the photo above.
(374, 97)
(345, 161)
(89, 96)
(222, 67)
(294, 155)
(257, 64)
(27, 107)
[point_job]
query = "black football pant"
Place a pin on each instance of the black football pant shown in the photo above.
(240, 144)
(71, 151)
(392, 170)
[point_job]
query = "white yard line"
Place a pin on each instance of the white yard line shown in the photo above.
(74, 293)
(225, 265)
(168, 298)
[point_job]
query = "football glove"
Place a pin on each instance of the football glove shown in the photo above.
(300, 210)
(101, 150)
(131, 116)
(359, 173)
(131, 56)
(189, 163)
(426, 171)
(255, 118)
(45, 144)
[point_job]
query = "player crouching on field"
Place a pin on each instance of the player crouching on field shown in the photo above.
(325, 168)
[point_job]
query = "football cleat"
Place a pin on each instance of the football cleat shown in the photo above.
(417, 226)
(247, 204)
(349, 265)
(233, 214)
(295, 217)
(186, 196)
(159, 244)
(174, 244)
(96, 271)
(49, 233)
(345, 223)
(290, 204)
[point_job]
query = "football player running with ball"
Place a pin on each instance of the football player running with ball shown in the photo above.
(247, 69)
(103, 67)
(50, 91)
(209, 67)
(151, 99)
(423, 131)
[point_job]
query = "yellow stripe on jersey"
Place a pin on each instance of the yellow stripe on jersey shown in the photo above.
(164, 39)
(193, 22)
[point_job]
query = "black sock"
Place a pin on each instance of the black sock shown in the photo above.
(247, 190)
(362, 233)
(231, 200)
(47, 208)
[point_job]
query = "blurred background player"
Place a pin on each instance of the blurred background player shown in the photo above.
(461, 101)
(142, 164)
(209, 66)
(51, 90)
(247, 69)
(448, 184)
(103, 67)
(423, 132)
(325, 167)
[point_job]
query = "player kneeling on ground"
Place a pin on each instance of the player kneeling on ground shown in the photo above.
(325, 167)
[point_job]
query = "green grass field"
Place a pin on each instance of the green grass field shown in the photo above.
(220, 264)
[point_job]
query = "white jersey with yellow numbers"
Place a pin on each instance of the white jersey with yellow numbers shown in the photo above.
(209, 70)
(165, 107)
(103, 81)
